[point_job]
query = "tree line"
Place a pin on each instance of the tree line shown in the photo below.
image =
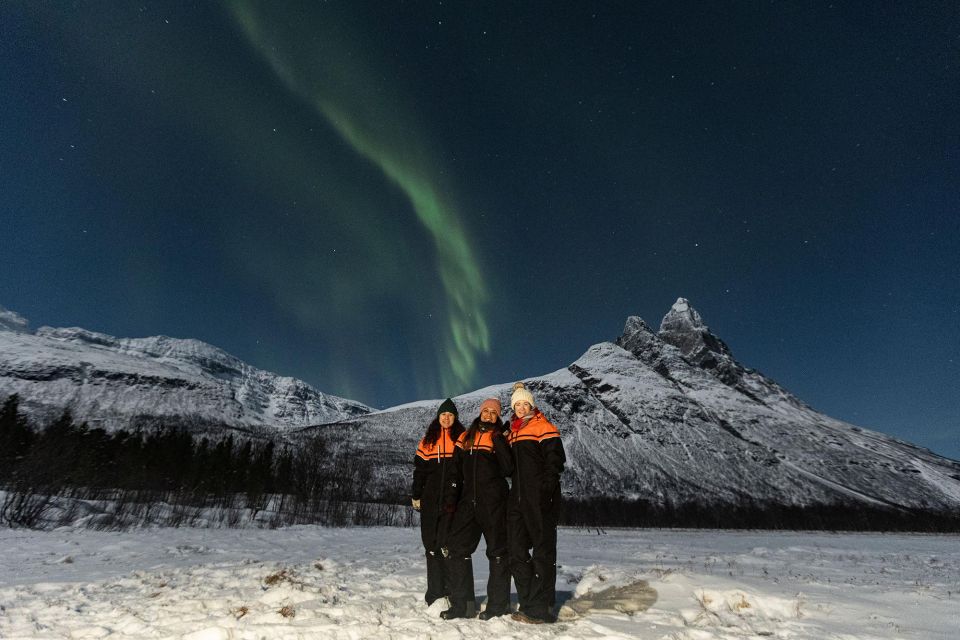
(168, 476)
(237, 476)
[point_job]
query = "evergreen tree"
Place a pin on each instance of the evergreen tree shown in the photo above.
(258, 477)
(200, 478)
(51, 463)
(16, 437)
(241, 467)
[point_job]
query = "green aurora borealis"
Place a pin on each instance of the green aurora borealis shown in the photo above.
(404, 200)
(372, 125)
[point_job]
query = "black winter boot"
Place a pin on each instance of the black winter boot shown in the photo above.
(489, 614)
(456, 610)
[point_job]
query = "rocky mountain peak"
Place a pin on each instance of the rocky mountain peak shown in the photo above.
(683, 327)
(635, 331)
(682, 317)
(643, 342)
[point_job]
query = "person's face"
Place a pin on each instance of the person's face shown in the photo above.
(446, 419)
(489, 415)
(522, 409)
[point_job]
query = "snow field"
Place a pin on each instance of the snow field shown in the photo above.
(308, 582)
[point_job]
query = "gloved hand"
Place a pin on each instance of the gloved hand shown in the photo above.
(416, 504)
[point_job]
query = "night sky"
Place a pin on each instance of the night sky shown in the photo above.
(405, 200)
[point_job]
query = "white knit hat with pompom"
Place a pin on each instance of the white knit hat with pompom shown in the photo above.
(521, 394)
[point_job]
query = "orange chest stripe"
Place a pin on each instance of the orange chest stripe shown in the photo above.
(441, 449)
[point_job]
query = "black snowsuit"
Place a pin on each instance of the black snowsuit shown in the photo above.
(533, 510)
(482, 471)
(432, 471)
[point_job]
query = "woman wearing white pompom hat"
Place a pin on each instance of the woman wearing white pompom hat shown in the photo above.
(533, 506)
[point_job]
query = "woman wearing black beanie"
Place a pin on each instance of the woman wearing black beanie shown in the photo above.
(432, 472)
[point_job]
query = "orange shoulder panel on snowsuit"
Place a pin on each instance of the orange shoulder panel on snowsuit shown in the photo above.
(538, 428)
(441, 449)
(484, 442)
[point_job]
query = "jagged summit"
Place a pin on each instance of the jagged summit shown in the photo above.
(682, 315)
(683, 327)
(684, 340)
(682, 336)
(636, 329)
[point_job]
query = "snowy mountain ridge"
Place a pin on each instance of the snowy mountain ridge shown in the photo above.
(672, 417)
(669, 416)
(122, 382)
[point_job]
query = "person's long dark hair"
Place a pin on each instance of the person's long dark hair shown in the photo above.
(433, 431)
(471, 436)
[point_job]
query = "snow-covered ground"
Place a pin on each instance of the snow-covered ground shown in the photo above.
(309, 582)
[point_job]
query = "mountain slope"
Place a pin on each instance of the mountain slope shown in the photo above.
(668, 416)
(120, 382)
(672, 417)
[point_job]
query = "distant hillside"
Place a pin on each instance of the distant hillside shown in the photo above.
(124, 382)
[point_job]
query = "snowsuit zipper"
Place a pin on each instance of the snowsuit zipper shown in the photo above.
(516, 461)
(474, 470)
(442, 461)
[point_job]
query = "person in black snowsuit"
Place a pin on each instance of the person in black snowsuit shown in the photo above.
(483, 463)
(533, 507)
(432, 472)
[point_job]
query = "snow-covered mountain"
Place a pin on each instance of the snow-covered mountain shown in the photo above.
(121, 382)
(668, 416)
(671, 416)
